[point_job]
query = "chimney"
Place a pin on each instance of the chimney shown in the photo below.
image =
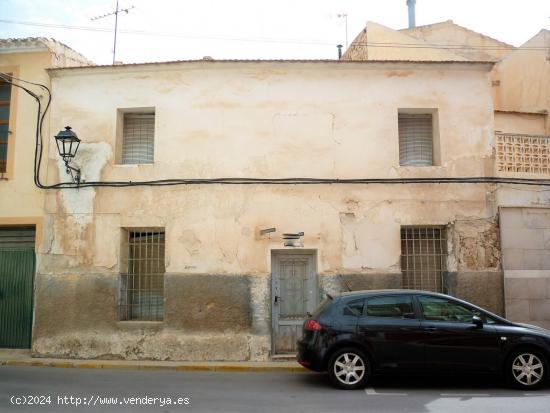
(412, 18)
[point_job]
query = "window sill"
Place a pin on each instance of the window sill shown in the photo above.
(419, 166)
(140, 324)
(126, 165)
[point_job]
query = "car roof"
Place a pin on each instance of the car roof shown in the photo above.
(386, 291)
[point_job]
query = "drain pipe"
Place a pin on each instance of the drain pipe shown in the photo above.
(412, 18)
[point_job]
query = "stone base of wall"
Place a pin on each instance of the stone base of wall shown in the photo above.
(485, 289)
(150, 343)
(207, 317)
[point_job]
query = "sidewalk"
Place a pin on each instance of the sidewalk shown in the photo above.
(13, 357)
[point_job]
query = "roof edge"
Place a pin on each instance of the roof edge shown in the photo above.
(451, 22)
(487, 64)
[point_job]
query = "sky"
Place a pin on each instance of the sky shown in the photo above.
(164, 30)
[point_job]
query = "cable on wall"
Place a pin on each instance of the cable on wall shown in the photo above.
(38, 153)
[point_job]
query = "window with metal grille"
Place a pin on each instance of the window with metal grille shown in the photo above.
(423, 257)
(5, 98)
(415, 139)
(138, 138)
(142, 286)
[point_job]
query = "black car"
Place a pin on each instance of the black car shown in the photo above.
(356, 335)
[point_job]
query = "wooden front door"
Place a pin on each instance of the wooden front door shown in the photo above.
(294, 294)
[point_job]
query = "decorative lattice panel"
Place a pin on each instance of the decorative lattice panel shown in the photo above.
(523, 153)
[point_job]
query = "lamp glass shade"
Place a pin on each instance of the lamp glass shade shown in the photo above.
(67, 143)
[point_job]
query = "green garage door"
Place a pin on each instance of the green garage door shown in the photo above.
(17, 267)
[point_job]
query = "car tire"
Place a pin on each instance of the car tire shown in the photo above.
(349, 368)
(526, 369)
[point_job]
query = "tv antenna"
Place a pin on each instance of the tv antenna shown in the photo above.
(345, 17)
(115, 13)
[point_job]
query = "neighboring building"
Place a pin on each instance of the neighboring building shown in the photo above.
(21, 203)
(194, 271)
(521, 94)
(440, 41)
(520, 82)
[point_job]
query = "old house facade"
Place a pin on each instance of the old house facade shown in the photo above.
(202, 270)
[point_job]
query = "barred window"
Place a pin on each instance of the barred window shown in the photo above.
(5, 98)
(138, 138)
(415, 139)
(423, 257)
(142, 285)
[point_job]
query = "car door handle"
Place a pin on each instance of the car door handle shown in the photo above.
(430, 329)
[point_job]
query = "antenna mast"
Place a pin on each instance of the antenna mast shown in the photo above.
(115, 13)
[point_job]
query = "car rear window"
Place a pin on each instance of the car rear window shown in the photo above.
(395, 306)
(324, 304)
(354, 308)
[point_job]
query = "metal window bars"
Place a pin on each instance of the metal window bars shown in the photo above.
(142, 286)
(423, 257)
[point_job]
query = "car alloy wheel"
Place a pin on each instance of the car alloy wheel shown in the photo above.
(527, 369)
(349, 369)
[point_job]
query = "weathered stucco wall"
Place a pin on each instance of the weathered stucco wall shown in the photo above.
(526, 264)
(372, 44)
(477, 276)
(524, 78)
(477, 46)
(216, 119)
(521, 123)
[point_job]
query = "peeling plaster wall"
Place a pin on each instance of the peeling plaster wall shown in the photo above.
(474, 264)
(253, 120)
(524, 78)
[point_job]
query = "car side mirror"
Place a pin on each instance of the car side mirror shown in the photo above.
(477, 322)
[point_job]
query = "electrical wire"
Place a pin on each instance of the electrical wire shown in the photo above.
(38, 153)
(287, 41)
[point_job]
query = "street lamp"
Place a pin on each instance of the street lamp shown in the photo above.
(67, 145)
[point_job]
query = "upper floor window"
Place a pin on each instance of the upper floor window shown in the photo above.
(417, 137)
(138, 137)
(5, 95)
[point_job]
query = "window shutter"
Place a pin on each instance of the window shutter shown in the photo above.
(415, 139)
(138, 138)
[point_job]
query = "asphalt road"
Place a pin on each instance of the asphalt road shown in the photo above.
(249, 392)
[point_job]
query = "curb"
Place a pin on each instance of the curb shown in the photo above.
(167, 367)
